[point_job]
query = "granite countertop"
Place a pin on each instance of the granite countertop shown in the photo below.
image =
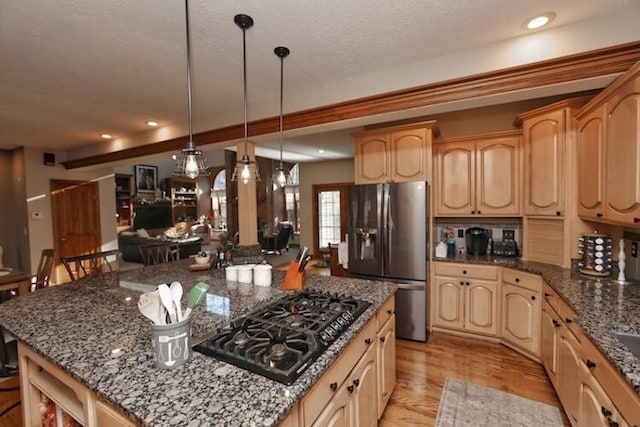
(603, 306)
(77, 327)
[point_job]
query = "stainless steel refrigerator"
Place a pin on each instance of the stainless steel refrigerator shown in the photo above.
(388, 240)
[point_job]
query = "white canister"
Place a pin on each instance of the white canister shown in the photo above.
(245, 274)
(231, 273)
(262, 275)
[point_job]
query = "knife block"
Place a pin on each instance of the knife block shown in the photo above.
(294, 279)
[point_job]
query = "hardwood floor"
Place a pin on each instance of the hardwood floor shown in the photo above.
(423, 367)
(8, 398)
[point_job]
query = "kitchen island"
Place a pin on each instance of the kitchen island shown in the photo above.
(93, 331)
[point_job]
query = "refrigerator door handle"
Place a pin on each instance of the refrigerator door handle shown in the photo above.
(410, 286)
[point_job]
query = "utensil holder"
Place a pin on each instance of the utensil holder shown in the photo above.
(171, 344)
(294, 279)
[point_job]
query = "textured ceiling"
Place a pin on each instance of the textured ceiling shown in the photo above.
(72, 69)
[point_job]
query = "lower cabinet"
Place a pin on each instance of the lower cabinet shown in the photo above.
(549, 332)
(521, 318)
(386, 362)
(596, 410)
(568, 374)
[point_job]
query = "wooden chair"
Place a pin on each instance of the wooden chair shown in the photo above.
(45, 267)
(159, 252)
(90, 265)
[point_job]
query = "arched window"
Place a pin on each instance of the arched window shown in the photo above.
(292, 198)
(219, 201)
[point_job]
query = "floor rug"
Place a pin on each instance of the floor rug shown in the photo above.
(467, 404)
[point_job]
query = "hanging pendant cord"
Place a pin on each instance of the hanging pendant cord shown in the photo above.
(281, 97)
(189, 113)
(244, 78)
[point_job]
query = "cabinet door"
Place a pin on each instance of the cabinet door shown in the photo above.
(337, 413)
(497, 176)
(622, 151)
(409, 161)
(521, 318)
(544, 164)
(590, 163)
(568, 373)
(386, 354)
(449, 303)
(363, 386)
(596, 408)
(371, 159)
(108, 417)
(481, 307)
(455, 179)
(549, 325)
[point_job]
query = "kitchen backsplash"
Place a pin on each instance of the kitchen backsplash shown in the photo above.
(459, 226)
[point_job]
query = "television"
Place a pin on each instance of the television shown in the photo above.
(152, 216)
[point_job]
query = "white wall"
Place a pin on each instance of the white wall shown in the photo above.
(335, 171)
(37, 179)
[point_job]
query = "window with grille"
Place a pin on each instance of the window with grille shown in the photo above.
(328, 218)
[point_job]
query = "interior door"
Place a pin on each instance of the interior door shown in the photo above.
(75, 207)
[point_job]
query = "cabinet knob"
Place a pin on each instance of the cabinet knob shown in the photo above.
(383, 339)
(333, 386)
(605, 411)
(567, 320)
(461, 283)
(356, 382)
(389, 311)
(599, 215)
(467, 283)
(613, 424)
(473, 212)
(558, 213)
(464, 271)
(556, 323)
(350, 388)
(547, 295)
(590, 364)
(636, 220)
(367, 341)
(517, 280)
(533, 297)
(479, 212)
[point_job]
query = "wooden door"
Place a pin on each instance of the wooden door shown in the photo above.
(498, 176)
(371, 159)
(622, 156)
(544, 164)
(481, 307)
(568, 373)
(548, 340)
(337, 413)
(455, 179)
(363, 381)
(521, 318)
(449, 303)
(590, 164)
(596, 410)
(386, 353)
(409, 155)
(75, 210)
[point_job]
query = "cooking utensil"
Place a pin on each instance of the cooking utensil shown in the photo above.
(167, 301)
(195, 297)
(150, 306)
(176, 293)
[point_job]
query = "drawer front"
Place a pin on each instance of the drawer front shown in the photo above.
(316, 400)
(466, 270)
(522, 280)
(621, 394)
(550, 296)
(385, 312)
(568, 316)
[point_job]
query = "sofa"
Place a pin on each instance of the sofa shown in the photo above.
(129, 243)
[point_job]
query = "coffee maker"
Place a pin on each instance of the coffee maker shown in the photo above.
(477, 240)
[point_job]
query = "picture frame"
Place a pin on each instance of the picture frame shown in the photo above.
(146, 179)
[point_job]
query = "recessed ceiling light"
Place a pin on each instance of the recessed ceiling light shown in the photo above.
(321, 151)
(151, 123)
(539, 21)
(106, 136)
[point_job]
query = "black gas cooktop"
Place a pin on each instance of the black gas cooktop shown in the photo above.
(281, 340)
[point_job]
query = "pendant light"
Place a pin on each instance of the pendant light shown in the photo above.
(280, 176)
(244, 166)
(189, 162)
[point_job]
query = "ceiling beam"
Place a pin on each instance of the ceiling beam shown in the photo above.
(595, 63)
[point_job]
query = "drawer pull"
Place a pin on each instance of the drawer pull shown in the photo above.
(389, 311)
(333, 386)
(590, 364)
(350, 388)
(556, 323)
(567, 320)
(517, 280)
(599, 215)
(605, 411)
(367, 341)
(558, 213)
(636, 220)
(383, 339)
(464, 271)
(356, 382)
(547, 295)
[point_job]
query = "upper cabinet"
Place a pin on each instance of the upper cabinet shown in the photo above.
(396, 154)
(609, 153)
(478, 175)
(546, 133)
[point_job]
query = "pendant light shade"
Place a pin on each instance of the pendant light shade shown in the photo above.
(245, 168)
(280, 176)
(190, 162)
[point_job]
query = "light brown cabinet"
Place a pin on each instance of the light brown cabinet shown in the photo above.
(521, 310)
(386, 373)
(568, 375)
(396, 154)
(590, 162)
(596, 410)
(549, 335)
(464, 302)
(478, 175)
